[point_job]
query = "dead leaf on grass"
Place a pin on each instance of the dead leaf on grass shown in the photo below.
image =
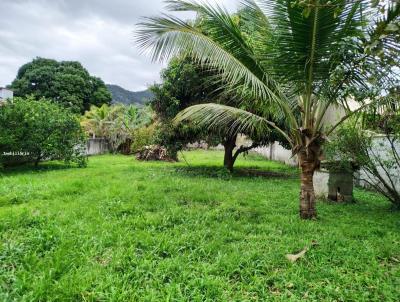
(294, 257)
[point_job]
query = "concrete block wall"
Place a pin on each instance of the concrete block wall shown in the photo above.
(96, 146)
(278, 153)
(381, 149)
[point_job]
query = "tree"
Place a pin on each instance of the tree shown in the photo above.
(304, 57)
(95, 121)
(116, 124)
(67, 83)
(182, 86)
(125, 120)
(35, 130)
(185, 83)
(370, 141)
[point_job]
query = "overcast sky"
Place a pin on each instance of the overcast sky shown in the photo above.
(98, 33)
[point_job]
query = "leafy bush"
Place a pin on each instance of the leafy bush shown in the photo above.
(377, 155)
(143, 137)
(174, 139)
(166, 135)
(31, 131)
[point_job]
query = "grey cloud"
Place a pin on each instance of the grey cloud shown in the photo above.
(98, 33)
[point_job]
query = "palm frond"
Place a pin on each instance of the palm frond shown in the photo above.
(305, 43)
(384, 32)
(223, 47)
(216, 116)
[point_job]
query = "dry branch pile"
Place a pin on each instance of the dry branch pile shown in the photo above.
(153, 152)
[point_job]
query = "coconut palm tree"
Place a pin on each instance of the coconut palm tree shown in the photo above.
(299, 58)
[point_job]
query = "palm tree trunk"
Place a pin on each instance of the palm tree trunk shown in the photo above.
(307, 196)
(229, 158)
(309, 161)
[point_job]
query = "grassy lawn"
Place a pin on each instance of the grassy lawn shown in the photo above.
(121, 230)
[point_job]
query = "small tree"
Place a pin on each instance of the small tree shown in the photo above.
(377, 154)
(96, 120)
(185, 84)
(182, 85)
(33, 131)
(124, 121)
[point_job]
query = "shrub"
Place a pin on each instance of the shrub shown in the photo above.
(32, 131)
(143, 137)
(377, 155)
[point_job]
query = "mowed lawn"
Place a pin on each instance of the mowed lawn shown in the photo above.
(122, 230)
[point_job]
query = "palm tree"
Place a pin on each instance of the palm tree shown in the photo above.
(300, 58)
(96, 121)
(116, 123)
(124, 120)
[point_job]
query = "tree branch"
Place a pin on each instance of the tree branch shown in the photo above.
(243, 149)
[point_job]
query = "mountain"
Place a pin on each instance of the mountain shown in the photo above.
(123, 96)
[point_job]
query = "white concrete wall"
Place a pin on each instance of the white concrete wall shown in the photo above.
(279, 153)
(6, 94)
(276, 152)
(321, 184)
(96, 146)
(336, 112)
(382, 150)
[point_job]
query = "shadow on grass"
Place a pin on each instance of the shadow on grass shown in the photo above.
(239, 172)
(31, 168)
(257, 172)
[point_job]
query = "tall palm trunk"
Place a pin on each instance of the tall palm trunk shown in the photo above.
(309, 161)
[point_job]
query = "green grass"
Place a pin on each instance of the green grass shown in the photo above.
(121, 230)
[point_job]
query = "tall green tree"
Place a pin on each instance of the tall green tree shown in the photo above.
(67, 83)
(184, 84)
(181, 87)
(303, 57)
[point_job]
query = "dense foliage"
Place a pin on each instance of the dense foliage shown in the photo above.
(376, 154)
(184, 84)
(379, 117)
(116, 123)
(67, 83)
(35, 130)
(144, 136)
